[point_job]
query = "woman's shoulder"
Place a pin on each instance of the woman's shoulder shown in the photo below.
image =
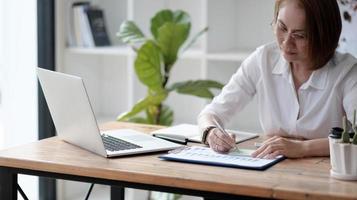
(343, 58)
(342, 68)
(266, 56)
(343, 62)
(269, 47)
(268, 52)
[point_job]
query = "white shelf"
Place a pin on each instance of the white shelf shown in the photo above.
(110, 50)
(233, 55)
(192, 54)
(229, 55)
(123, 51)
(109, 74)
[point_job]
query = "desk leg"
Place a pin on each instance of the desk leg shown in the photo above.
(116, 193)
(8, 183)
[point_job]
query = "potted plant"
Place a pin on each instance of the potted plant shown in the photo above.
(155, 58)
(343, 151)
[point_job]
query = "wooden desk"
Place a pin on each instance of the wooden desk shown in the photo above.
(291, 179)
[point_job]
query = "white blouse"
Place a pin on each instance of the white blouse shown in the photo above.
(321, 102)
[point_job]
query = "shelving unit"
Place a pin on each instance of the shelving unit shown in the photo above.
(236, 28)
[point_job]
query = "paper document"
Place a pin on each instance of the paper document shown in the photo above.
(203, 155)
(191, 133)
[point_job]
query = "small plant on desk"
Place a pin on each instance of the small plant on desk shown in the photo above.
(343, 151)
(354, 128)
(154, 62)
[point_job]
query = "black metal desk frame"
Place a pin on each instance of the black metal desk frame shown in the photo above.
(8, 182)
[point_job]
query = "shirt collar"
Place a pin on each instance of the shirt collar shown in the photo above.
(282, 67)
(317, 79)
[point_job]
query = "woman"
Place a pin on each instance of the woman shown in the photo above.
(302, 85)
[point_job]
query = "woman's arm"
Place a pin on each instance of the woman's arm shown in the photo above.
(316, 147)
(234, 96)
(292, 148)
(217, 140)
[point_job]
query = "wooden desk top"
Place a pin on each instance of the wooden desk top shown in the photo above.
(290, 179)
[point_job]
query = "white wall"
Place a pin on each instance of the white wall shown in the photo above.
(348, 39)
(18, 84)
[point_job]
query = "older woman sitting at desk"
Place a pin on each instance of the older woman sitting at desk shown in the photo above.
(303, 86)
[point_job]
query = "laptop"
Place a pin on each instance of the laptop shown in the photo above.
(75, 122)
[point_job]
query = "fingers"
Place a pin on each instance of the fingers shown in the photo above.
(271, 146)
(223, 139)
(218, 148)
(274, 154)
(263, 147)
(275, 146)
(273, 138)
(234, 137)
(269, 150)
(226, 139)
(220, 142)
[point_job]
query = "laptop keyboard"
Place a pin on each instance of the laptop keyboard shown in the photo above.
(116, 144)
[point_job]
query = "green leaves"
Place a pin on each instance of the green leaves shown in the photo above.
(148, 66)
(199, 88)
(354, 140)
(164, 16)
(152, 108)
(170, 29)
(193, 40)
(166, 116)
(345, 135)
(170, 38)
(130, 33)
(155, 58)
(142, 105)
(140, 120)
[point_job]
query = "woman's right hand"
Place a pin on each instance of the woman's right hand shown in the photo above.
(219, 141)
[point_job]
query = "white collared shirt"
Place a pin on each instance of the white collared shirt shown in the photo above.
(322, 101)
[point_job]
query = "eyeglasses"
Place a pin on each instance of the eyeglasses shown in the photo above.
(281, 30)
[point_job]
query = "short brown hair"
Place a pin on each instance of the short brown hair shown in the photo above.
(323, 28)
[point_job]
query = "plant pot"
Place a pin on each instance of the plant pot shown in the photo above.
(343, 159)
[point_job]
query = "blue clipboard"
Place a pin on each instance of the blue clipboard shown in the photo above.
(206, 156)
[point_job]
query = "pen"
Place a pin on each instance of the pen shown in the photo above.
(224, 131)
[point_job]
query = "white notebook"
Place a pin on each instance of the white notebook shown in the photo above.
(239, 158)
(191, 133)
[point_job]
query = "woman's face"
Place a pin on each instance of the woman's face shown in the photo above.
(290, 32)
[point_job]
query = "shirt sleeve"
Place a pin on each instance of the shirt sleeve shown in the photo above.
(234, 96)
(350, 93)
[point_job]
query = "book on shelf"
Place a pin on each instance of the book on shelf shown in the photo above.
(190, 133)
(97, 26)
(81, 25)
(86, 26)
(69, 24)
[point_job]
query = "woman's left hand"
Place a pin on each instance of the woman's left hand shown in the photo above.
(277, 145)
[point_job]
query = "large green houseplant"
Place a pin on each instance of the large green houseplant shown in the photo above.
(155, 59)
